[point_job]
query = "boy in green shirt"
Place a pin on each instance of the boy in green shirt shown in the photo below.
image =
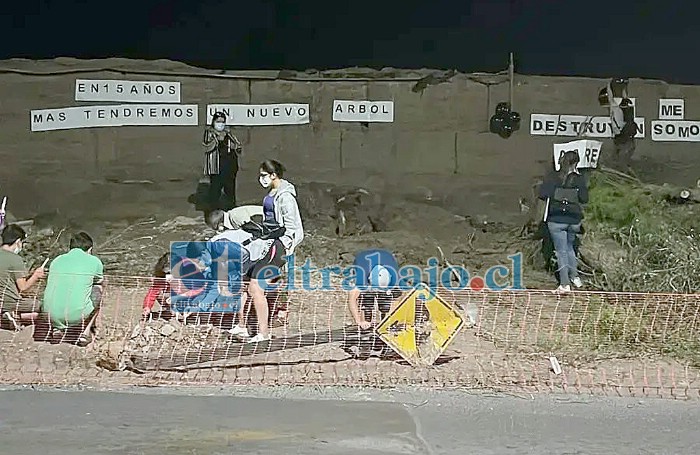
(74, 289)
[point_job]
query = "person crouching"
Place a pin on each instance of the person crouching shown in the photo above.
(159, 291)
(74, 289)
(376, 283)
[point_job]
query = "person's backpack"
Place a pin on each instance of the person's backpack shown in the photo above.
(566, 199)
(265, 230)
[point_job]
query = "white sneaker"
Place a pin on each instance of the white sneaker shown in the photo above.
(259, 338)
(577, 282)
(561, 288)
(239, 331)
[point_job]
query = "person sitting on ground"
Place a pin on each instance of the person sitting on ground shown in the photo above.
(74, 290)
(14, 281)
(566, 190)
(160, 287)
(376, 282)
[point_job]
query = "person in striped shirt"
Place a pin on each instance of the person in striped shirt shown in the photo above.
(221, 152)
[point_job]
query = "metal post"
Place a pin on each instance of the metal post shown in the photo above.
(455, 170)
(488, 107)
(510, 77)
(340, 149)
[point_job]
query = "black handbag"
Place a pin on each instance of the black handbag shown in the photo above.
(267, 230)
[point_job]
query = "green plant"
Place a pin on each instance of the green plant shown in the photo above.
(660, 238)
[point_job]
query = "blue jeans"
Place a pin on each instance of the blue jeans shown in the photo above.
(563, 236)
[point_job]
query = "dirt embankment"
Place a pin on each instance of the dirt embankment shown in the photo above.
(434, 177)
(338, 220)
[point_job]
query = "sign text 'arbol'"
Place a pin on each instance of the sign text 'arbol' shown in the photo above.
(363, 111)
(67, 118)
(261, 114)
(127, 91)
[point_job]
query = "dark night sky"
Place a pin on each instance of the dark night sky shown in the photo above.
(634, 38)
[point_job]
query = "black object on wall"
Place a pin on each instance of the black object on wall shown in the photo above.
(504, 122)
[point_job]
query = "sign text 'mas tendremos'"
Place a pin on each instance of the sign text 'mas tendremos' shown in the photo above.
(127, 91)
(363, 111)
(572, 125)
(117, 115)
(261, 114)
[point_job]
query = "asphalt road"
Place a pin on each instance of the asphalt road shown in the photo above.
(339, 421)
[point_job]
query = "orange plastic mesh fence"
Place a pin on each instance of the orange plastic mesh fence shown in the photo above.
(581, 342)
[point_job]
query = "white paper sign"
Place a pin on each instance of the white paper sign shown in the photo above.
(363, 111)
(127, 91)
(588, 152)
(570, 125)
(261, 114)
(675, 131)
(671, 109)
(114, 115)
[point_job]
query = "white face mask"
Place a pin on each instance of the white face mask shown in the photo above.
(17, 249)
(265, 181)
(219, 126)
(168, 277)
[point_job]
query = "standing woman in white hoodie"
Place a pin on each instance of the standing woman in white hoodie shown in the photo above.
(279, 205)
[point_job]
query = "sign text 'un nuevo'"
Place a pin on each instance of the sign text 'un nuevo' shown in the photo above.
(114, 115)
(363, 111)
(261, 114)
(127, 91)
(576, 125)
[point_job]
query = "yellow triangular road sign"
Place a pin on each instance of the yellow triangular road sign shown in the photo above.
(421, 326)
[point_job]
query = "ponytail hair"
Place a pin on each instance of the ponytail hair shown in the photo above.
(567, 164)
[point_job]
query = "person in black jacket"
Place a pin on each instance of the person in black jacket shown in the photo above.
(565, 191)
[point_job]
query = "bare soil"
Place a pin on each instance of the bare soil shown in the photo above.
(310, 348)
